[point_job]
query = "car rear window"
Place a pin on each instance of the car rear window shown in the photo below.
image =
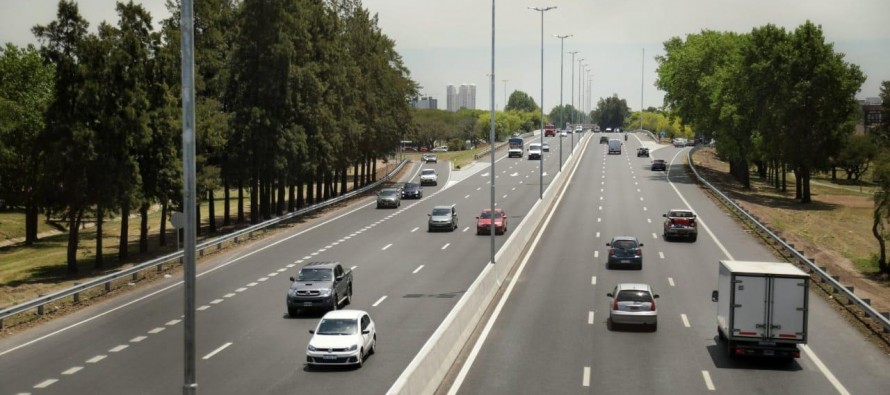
(624, 244)
(681, 214)
(634, 296)
(487, 214)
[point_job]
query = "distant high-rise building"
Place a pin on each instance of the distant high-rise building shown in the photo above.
(451, 99)
(463, 97)
(427, 103)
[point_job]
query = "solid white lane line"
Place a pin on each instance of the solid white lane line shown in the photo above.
(138, 339)
(415, 229)
(824, 369)
(467, 197)
(597, 234)
(466, 229)
(417, 270)
(217, 351)
(95, 359)
(157, 330)
(242, 289)
(446, 245)
(585, 378)
(596, 254)
(202, 308)
(386, 246)
(593, 280)
(353, 268)
(708, 382)
(72, 370)
(660, 254)
(685, 320)
(590, 317)
(119, 348)
(46, 383)
(172, 322)
(379, 301)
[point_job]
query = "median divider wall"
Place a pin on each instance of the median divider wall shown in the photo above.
(428, 368)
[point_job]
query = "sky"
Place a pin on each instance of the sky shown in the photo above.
(449, 41)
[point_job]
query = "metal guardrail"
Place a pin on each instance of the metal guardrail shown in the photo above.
(106, 280)
(824, 276)
(499, 146)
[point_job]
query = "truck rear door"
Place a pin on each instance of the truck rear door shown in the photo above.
(749, 306)
(788, 310)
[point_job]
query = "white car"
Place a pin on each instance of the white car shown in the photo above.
(563, 134)
(342, 337)
(517, 152)
(678, 142)
(429, 176)
(443, 148)
(534, 151)
(545, 147)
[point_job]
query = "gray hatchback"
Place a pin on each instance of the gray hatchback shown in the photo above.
(633, 304)
(389, 197)
(443, 217)
(625, 251)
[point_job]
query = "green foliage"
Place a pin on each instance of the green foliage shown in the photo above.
(858, 153)
(611, 112)
(521, 101)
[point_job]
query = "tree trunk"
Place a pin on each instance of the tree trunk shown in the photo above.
(301, 200)
(355, 173)
(240, 201)
(73, 240)
(123, 241)
(100, 219)
(282, 184)
(310, 197)
(198, 216)
(143, 228)
(162, 237)
(806, 186)
(254, 201)
(373, 169)
(343, 183)
(319, 184)
(877, 229)
(327, 185)
(784, 175)
(226, 205)
(211, 211)
(32, 212)
(798, 185)
(834, 174)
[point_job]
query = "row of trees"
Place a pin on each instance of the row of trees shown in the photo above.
(290, 96)
(779, 99)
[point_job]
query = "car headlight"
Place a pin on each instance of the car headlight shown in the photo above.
(352, 347)
(312, 348)
(324, 292)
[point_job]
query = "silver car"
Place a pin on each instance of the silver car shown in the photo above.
(389, 197)
(633, 304)
(443, 217)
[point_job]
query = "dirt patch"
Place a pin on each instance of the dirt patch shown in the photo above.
(834, 230)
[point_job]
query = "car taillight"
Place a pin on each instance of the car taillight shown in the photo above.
(692, 222)
(615, 304)
(653, 305)
(639, 251)
(611, 251)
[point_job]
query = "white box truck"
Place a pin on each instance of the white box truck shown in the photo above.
(761, 308)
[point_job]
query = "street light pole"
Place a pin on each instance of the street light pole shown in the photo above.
(580, 98)
(562, 121)
(505, 94)
(572, 90)
(491, 137)
(542, 10)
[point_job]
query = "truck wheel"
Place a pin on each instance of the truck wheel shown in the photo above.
(335, 305)
(349, 295)
(361, 358)
(373, 349)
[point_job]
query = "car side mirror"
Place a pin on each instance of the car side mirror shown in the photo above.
(477, 217)
(641, 244)
(429, 215)
(609, 295)
(366, 331)
(715, 295)
(664, 215)
(608, 244)
(655, 296)
(292, 279)
(312, 331)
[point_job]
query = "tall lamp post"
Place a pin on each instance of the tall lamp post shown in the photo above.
(580, 101)
(505, 94)
(189, 197)
(572, 90)
(491, 136)
(542, 10)
(562, 121)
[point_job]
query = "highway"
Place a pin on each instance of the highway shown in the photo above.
(406, 278)
(549, 335)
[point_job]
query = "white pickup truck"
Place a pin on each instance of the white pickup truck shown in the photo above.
(762, 308)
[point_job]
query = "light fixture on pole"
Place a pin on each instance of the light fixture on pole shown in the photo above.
(562, 121)
(572, 89)
(491, 138)
(542, 10)
(580, 102)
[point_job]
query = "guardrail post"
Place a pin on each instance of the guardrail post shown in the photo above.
(866, 301)
(108, 286)
(160, 267)
(40, 308)
(1, 323)
(136, 276)
(76, 295)
(201, 252)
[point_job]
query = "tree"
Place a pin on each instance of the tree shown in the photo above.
(26, 89)
(611, 112)
(881, 176)
(521, 101)
(856, 156)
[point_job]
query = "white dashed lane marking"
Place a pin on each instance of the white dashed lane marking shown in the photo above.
(660, 254)
(157, 330)
(417, 270)
(467, 197)
(585, 377)
(596, 254)
(119, 348)
(242, 289)
(597, 234)
(98, 358)
(72, 370)
(685, 320)
(202, 308)
(172, 322)
(261, 279)
(671, 281)
(590, 317)
(414, 230)
(466, 229)
(46, 383)
(446, 245)
(708, 382)
(386, 246)
(138, 339)
(353, 268)
(253, 284)
(379, 301)
(593, 280)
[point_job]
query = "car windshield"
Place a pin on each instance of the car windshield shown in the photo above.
(534, 146)
(315, 275)
(634, 296)
(487, 214)
(427, 172)
(389, 192)
(411, 187)
(658, 161)
(624, 244)
(337, 326)
(441, 211)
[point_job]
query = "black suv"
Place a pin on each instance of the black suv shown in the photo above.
(658, 164)
(412, 190)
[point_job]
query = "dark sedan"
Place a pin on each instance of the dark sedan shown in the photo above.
(412, 190)
(625, 251)
(658, 165)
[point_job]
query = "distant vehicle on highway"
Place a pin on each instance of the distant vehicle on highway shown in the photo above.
(614, 146)
(549, 130)
(658, 165)
(679, 142)
(545, 147)
(643, 152)
(604, 139)
(563, 134)
(443, 148)
(429, 176)
(534, 151)
(427, 158)
(483, 222)
(345, 337)
(412, 190)
(389, 197)
(443, 217)
(680, 223)
(319, 285)
(625, 251)
(633, 304)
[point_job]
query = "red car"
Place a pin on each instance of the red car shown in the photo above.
(483, 222)
(549, 130)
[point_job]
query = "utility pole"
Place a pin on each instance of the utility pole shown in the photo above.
(542, 10)
(562, 122)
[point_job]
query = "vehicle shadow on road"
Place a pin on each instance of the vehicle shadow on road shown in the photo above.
(722, 360)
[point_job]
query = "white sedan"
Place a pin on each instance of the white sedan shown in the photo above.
(343, 337)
